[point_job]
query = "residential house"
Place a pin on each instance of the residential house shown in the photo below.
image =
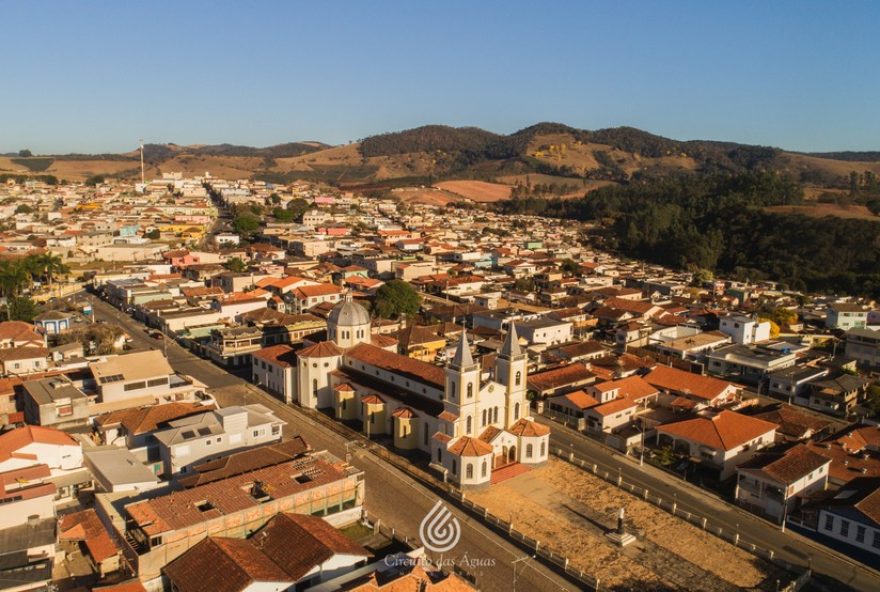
(852, 517)
(720, 442)
(212, 434)
(773, 483)
(846, 316)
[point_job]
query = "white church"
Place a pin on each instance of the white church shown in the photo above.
(471, 420)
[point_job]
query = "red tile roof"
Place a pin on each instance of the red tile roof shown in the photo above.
(280, 355)
(687, 383)
(467, 446)
(13, 441)
(398, 364)
(725, 431)
(325, 349)
(86, 526)
(529, 429)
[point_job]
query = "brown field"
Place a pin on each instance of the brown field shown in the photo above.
(7, 166)
(821, 210)
(569, 510)
(841, 168)
(426, 195)
(79, 170)
(477, 190)
(812, 193)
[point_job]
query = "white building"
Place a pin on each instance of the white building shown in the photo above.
(471, 422)
(744, 330)
(852, 515)
(773, 483)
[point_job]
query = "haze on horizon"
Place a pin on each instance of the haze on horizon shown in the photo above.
(94, 76)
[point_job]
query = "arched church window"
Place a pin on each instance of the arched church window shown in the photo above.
(518, 379)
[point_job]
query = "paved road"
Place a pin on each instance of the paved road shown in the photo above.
(839, 571)
(393, 497)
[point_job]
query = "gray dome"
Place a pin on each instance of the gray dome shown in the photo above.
(348, 313)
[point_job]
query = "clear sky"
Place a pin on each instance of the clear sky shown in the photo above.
(87, 76)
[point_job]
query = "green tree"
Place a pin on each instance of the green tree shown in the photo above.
(524, 284)
(24, 209)
(298, 207)
(235, 264)
(153, 234)
(21, 308)
(396, 298)
(246, 224)
(282, 214)
(26, 153)
(95, 180)
(570, 267)
(275, 199)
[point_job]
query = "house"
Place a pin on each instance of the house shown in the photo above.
(212, 434)
(772, 483)
(137, 379)
(689, 390)
(750, 363)
(863, 345)
(544, 331)
(392, 575)
(744, 330)
(85, 531)
(792, 384)
(305, 297)
(30, 446)
(852, 517)
(162, 528)
(118, 470)
(55, 402)
(292, 551)
(573, 404)
(559, 380)
(720, 442)
(19, 361)
(619, 402)
(854, 452)
(846, 316)
(19, 334)
(837, 395)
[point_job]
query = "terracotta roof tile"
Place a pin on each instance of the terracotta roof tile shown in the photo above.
(725, 431)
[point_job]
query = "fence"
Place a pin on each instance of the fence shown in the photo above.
(555, 561)
(702, 522)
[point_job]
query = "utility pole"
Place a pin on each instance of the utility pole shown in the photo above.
(142, 160)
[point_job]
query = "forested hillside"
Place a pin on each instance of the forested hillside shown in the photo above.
(718, 222)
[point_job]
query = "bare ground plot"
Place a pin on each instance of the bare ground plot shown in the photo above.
(477, 190)
(427, 195)
(570, 510)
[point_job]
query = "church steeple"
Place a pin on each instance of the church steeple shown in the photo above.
(462, 360)
(511, 348)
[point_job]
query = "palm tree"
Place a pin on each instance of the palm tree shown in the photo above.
(13, 277)
(52, 265)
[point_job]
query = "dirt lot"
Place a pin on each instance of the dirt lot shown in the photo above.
(570, 510)
(477, 190)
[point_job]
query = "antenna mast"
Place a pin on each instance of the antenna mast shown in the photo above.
(142, 160)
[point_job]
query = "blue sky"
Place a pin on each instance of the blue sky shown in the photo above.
(95, 76)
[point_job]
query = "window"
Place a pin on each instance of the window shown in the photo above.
(469, 471)
(485, 413)
(64, 410)
(454, 467)
(860, 533)
(543, 449)
(876, 542)
(844, 528)
(495, 416)
(516, 412)
(439, 452)
(518, 380)
(134, 386)
(529, 450)
(452, 389)
(470, 390)
(426, 434)
(315, 386)
(484, 469)
(470, 425)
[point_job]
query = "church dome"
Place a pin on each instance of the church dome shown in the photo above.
(348, 313)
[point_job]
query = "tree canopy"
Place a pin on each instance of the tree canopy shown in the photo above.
(396, 298)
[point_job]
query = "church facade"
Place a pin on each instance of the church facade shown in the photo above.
(471, 420)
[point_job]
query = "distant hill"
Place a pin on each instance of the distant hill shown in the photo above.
(556, 156)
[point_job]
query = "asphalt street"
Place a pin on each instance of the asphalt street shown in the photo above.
(391, 496)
